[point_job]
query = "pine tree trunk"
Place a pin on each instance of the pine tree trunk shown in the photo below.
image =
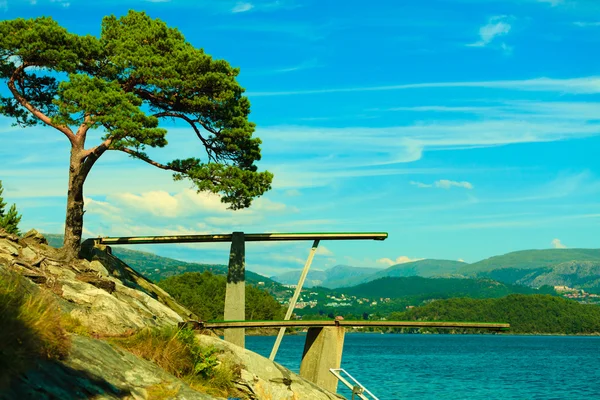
(74, 219)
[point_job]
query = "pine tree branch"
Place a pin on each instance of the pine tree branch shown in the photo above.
(148, 160)
(192, 123)
(37, 113)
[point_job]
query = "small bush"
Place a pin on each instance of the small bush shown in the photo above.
(30, 327)
(177, 351)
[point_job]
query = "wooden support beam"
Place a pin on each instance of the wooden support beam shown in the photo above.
(292, 304)
(235, 294)
(322, 351)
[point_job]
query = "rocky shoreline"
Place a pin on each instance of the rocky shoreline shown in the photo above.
(109, 299)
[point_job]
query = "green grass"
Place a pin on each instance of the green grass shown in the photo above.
(30, 327)
(178, 352)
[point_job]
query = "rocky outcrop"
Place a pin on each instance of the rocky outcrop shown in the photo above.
(262, 378)
(95, 369)
(110, 298)
(106, 296)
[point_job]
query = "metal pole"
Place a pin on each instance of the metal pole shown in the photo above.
(292, 304)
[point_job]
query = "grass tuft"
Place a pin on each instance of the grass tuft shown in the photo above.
(30, 322)
(162, 391)
(178, 352)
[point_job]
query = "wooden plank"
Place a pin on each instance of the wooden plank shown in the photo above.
(323, 323)
(249, 237)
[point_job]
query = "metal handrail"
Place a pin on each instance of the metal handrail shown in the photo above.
(356, 387)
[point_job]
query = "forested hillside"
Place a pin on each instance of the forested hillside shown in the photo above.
(525, 313)
(437, 288)
(204, 294)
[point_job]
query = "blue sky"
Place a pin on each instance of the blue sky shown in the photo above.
(464, 128)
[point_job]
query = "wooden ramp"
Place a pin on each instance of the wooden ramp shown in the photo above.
(493, 326)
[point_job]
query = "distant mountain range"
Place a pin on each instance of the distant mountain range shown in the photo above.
(576, 268)
(338, 276)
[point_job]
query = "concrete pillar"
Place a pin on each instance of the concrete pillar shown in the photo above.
(235, 294)
(322, 350)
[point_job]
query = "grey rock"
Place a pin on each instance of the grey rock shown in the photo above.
(9, 247)
(28, 254)
(35, 237)
(262, 378)
(95, 369)
(99, 268)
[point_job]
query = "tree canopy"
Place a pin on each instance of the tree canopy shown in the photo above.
(137, 73)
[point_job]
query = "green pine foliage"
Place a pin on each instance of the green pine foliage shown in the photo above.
(9, 220)
(204, 295)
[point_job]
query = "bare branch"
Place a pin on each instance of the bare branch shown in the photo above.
(37, 113)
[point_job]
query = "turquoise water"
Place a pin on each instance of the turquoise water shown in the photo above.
(461, 366)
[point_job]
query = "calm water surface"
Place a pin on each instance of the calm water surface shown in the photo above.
(460, 366)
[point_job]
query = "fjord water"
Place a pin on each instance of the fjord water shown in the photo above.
(460, 366)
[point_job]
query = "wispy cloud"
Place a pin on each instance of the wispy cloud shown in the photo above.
(557, 244)
(534, 222)
(553, 3)
(63, 3)
(309, 64)
(583, 24)
(497, 26)
(242, 7)
(584, 85)
(444, 184)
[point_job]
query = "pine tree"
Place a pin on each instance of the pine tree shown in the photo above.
(137, 73)
(9, 221)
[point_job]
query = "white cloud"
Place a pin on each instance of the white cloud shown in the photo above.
(460, 260)
(324, 251)
(398, 260)
(293, 193)
(447, 184)
(496, 26)
(242, 7)
(556, 243)
(420, 184)
(444, 184)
